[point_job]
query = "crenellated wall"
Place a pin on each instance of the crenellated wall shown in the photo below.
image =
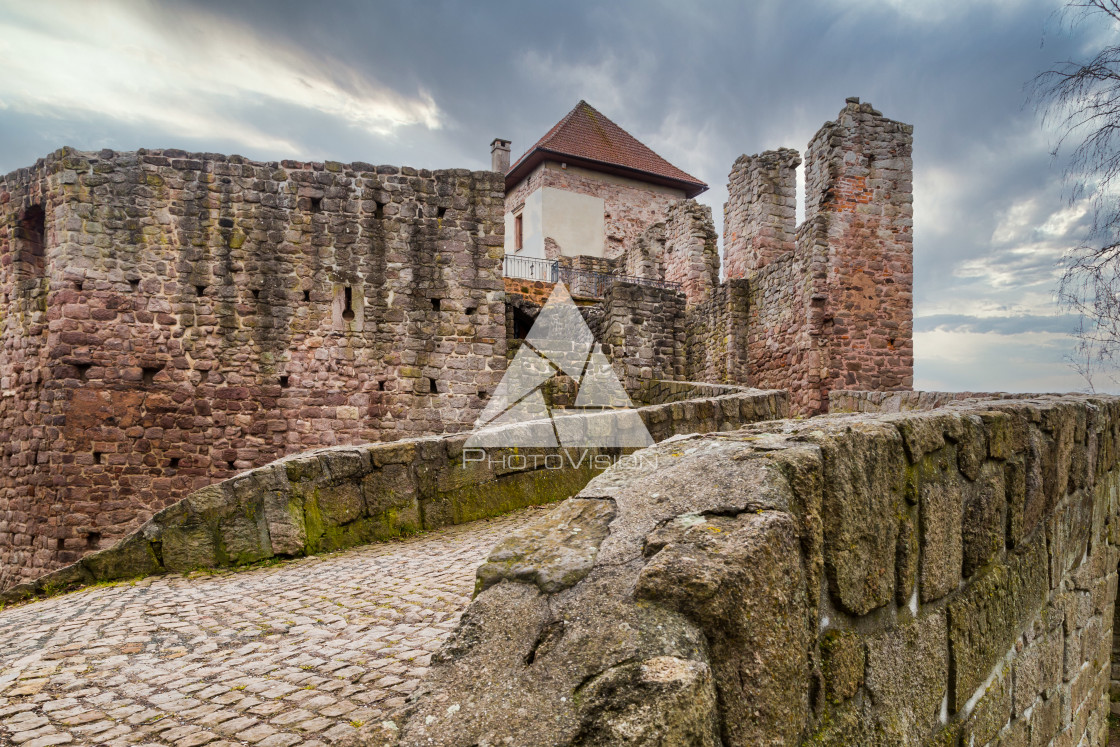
(177, 318)
(831, 303)
(930, 578)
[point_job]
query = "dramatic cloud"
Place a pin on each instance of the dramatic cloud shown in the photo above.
(430, 85)
(184, 72)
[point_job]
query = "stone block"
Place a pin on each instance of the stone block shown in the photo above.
(987, 616)
(908, 678)
(941, 490)
(991, 712)
(189, 547)
(864, 486)
(985, 501)
(842, 664)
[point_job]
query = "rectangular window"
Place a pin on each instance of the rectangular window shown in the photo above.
(518, 233)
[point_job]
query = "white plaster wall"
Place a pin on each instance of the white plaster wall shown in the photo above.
(531, 228)
(575, 221)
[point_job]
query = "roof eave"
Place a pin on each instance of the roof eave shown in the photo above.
(535, 157)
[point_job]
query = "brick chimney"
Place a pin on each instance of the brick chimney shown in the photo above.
(499, 155)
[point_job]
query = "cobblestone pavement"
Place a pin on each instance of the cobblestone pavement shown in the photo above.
(298, 653)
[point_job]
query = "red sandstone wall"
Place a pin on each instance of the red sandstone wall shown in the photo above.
(859, 183)
(760, 212)
(836, 311)
(188, 323)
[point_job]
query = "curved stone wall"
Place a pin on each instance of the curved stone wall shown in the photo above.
(945, 577)
(340, 497)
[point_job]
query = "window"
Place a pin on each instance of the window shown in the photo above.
(518, 233)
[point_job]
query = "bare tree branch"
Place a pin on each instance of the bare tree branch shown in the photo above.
(1082, 101)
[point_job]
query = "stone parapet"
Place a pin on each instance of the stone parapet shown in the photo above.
(942, 577)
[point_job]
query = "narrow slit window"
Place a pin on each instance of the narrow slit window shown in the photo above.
(435, 304)
(316, 204)
(307, 295)
(284, 381)
(97, 457)
(440, 212)
(348, 304)
(518, 233)
(256, 294)
(379, 210)
(432, 386)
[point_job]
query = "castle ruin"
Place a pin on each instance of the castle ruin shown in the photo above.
(171, 319)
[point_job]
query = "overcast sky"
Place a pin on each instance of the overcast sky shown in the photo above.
(430, 84)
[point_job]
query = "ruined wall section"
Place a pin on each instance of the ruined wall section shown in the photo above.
(836, 311)
(859, 195)
(691, 252)
(644, 333)
(209, 314)
(31, 213)
(718, 334)
(759, 217)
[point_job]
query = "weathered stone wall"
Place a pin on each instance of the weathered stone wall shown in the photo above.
(938, 578)
(859, 195)
(343, 496)
(717, 335)
(630, 206)
(188, 316)
(643, 333)
(854, 401)
(784, 327)
(681, 249)
(760, 214)
(835, 310)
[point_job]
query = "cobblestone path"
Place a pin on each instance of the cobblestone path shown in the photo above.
(297, 653)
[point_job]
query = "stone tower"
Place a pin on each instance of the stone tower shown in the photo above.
(832, 301)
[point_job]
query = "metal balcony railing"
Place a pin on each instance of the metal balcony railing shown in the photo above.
(586, 283)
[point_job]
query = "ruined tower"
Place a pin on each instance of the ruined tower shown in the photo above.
(832, 307)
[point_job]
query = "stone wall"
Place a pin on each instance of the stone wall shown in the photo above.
(343, 496)
(761, 210)
(938, 578)
(643, 333)
(681, 249)
(171, 319)
(859, 195)
(630, 205)
(832, 310)
(718, 331)
(854, 401)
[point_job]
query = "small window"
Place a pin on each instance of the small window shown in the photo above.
(200, 290)
(284, 381)
(435, 304)
(432, 386)
(93, 540)
(174, 463)
(316, 204)
(256, 294)
(97, 457)
(348, 304)
(379, 210)
(518, 233)
(149, 374)
(134, 285)
(307, 295)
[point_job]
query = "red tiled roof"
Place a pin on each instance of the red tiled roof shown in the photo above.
(587, 138)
